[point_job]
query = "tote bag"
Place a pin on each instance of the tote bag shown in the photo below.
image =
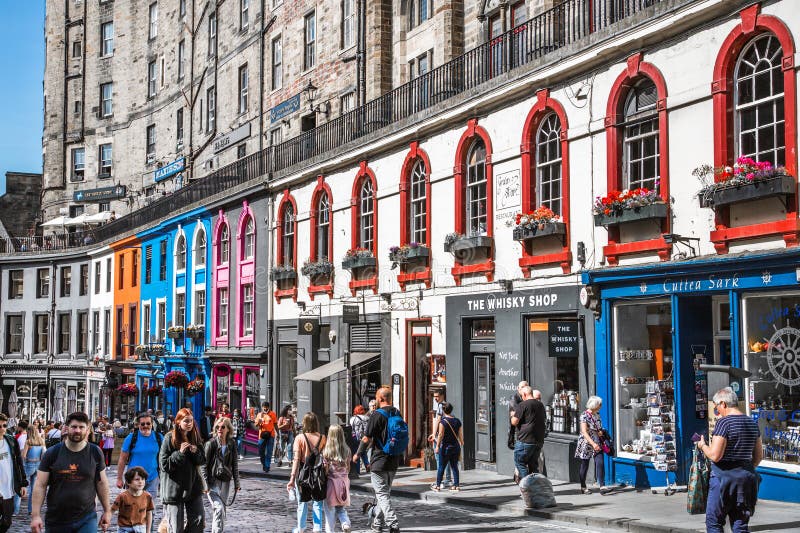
(698, 484)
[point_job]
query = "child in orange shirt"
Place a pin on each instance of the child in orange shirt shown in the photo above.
(134, 504)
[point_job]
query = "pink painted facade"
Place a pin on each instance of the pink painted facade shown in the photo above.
(245, 279)
(220, 281)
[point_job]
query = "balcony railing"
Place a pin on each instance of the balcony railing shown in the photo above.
(549, 31)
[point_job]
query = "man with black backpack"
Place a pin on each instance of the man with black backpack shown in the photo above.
(387, 435)
(141, 448)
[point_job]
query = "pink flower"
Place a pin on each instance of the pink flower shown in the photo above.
(750, 176)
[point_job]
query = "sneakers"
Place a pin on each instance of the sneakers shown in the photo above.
(376, 528)
(241, 457)
(346, 528)
(394, 529)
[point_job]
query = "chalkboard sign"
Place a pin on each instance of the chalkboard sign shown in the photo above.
(563, 338)
(350, 314)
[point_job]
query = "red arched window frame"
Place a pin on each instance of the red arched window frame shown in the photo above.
(752, 25)
(542, 108)
(220, 279)
(320, 189)
(286, 201)
(415, 154)
(472, 133)
(614, 125)
(364, 173)
(246, 275)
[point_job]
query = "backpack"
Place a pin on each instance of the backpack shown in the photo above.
(135, 437)
(359, 426)
(312, 480)
(396, 433)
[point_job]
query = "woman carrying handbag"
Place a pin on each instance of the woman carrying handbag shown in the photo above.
(449, 441)
(591, 444)
(220, 469)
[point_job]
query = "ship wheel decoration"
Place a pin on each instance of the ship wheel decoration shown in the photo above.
(783, 356)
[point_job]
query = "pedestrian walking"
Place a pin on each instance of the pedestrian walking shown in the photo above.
(224, 411)
(20, 435)
(140, 448)
(308, 443)
(438, 412)
(530, 419)
(265, 423)
(735, 452)
(286, 431)
(12, 475)
(589, 444)
(182, 486)
(387, 438)
(220, 469)
(336, 456)
(207, 423)
(238, 432)
(107, 443)
(53, 435)
(31, 457)
(449, 441)
(359, 424)
(134, 505)
(72, 475)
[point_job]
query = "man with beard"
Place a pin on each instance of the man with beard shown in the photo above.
(72, 474)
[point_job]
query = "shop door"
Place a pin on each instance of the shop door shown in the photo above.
(484, 408)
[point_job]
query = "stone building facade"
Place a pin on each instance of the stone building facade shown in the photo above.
(19, 206)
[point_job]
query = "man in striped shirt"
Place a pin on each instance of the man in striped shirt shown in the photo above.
(735, 451)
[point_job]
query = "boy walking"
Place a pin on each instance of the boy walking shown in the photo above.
(134, 505)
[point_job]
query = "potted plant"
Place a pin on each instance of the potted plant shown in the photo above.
(128, 389)
(284, 273)
(358, 258)
(176, 379)
(195, 386)
(408, 253)
(155, 390)
(460, 244)
(175, 332)
(627, 206)
(317, 269)
(541, 222)
(157, 350)
(195, 331)
(141, 350)
(745, 180)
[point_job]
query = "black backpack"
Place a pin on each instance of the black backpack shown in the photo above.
(312, 480)
(135, 437)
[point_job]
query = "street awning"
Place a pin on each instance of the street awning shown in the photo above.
(98, 218)
(334, 367)
(56, 222)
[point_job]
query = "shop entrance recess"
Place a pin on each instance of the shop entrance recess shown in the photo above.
(425, 375)
(484, 407)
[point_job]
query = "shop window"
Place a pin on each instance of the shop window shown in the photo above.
(482, 329)
(722, 331)
(771, 337)
(644, 400)
(288, 371)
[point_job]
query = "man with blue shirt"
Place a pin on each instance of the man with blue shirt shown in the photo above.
(141, 448)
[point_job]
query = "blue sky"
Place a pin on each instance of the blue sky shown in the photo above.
(22, 67)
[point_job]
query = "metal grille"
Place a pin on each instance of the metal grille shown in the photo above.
(366, 337)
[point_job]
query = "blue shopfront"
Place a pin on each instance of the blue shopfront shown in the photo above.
(657, 323)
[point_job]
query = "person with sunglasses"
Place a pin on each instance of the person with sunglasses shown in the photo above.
(141, 448)
(12, 474)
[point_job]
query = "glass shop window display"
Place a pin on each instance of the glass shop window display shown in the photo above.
(772, 343)
(644, 382)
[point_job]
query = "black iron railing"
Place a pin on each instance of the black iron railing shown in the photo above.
(549, 31)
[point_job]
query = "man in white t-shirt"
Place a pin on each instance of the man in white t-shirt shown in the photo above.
(12, 475)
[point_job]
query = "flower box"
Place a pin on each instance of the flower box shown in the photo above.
(284, 275)
(317, 269)
(743, 192)
(656, 210)
(463, 244)
(354, 262)
(408, 253)
(176, 334)
(534, 231)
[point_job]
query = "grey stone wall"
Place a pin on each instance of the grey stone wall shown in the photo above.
(20, 205)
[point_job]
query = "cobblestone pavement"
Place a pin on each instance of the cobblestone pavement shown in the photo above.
(263, 506)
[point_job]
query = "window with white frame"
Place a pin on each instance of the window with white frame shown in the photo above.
(96, 331)
(289, 221)
(180, 253)
(418, 204)
(106, 99)
(310, 39)
(151, 140)
(366, 215)
(277, 63)
(275, 136)
(347, 102)
(43, 283)
(104, 160)
(476, 189)
(153, 26)
(13, 334)
(548, 163)
(247, 309)
(161, 318)
(199, 307)
(152, 75)
(243, 88)
(41, 335)
(64, 332)
(162, 260)
(15, 284)
(78, 161)
(179, 125)
(348, 23)
(323, 227)
(66, 281)
(147, 328)
(181, 58)
(82, 343)
(222, 314)
(759, 96)
(211, 109)
(107, 39)
(97, 276)
(102, 207)
(249, 238)
(419, 11)
(244, 14)
(106, 331)
(640, 141)
(200, 249)
(224, 244)
(212, 34)
(180, 309)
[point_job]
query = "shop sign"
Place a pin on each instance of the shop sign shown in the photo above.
(350, 314)
(285, 108)
(563, 338)
(229, 139)
(100, 195)
(507, 191)
(717, 282)
(307, 326)
(7, 371)
(160, 174)
(492, 302)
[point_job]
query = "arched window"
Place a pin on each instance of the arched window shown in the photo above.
(640, 137)
(759, 102)
(180, 253)
(248, 247)
(417, 204)
(548, 163)
(323, 227)
(200, 248)
(288, 223)
(366, 215)
(224, 244)
(476, 189)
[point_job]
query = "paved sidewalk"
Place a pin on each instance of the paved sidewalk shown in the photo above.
(624, 510)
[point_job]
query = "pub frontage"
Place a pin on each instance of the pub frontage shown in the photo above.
(659, 323)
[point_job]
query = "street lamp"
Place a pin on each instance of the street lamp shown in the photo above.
(310, 91)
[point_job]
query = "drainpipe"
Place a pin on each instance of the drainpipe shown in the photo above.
(261, 83)
(270, 220)
(361, 53)
(51, 349)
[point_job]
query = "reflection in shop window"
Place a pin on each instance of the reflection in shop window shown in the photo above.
(288, 371)
(772, 355)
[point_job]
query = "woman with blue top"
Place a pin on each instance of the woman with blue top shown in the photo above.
(449, 440)
(31, 455)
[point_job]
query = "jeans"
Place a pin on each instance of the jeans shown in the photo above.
(302, 513)
(599, 470)
(6, 512)
(265, 451)
(219, 493)
(448, 462)
(152, 487)
(526, 458)
(191, 511)
(332, 513)
(448, 470)
(32, 474)
(87, 524)
(287, 442)
(382, 485)
(132, 529)
(239, 446)
(718, 511)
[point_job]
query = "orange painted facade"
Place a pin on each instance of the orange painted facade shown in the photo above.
(125, 333)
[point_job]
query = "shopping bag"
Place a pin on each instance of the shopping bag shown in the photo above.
(698, 484)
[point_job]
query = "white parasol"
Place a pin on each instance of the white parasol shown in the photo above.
(59, 221)
(58, 404)
(72, 402)
(12, 409)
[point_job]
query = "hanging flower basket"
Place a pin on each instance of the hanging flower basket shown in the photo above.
(157, 350)
(195, 386)
(141, 350)
(155, 390)
(176, 379)
(175, 332)
(195, 331)
(127, 389)
(744, 181)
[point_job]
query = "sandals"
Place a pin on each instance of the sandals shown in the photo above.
(455, 488)
(584, 490)
(435, 488)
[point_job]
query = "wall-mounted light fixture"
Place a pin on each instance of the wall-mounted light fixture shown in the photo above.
(507, 285)
(310, 92)
(582, 254)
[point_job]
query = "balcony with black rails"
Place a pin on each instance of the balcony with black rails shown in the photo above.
(548, 32)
